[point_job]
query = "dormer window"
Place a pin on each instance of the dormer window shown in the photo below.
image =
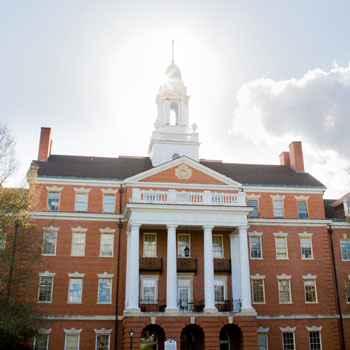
(174, 114)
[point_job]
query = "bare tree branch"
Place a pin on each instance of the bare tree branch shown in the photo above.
(8, 159)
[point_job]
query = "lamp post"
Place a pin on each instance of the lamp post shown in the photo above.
(131, 332)
(187, 252)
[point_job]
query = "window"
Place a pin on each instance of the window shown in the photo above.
(102, 342)
(45, 289)
(302, 209)
(262, 341)
(288, 341)
(183, 241)
(41, 342)
(281, 247)
(315, 341)
(72, 341)
(184, 294)
(306, 248)
(75, 290)
(255, 247)
(345, 250)
(149, 289)
(78, 244)
(49, 243)
(255, 212)
(2, 241)
(174, 110)
(149, 245)
(284, 291)
(107, 244)
(149, 340)
(347, 291)
(218, 251)
(310, 291)
(220, 290)
(105, 290)
(81, 201)
(258, 291)
(53, 201)
(278, 208)
(108, 203)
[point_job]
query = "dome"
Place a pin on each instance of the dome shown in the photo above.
(173, 73)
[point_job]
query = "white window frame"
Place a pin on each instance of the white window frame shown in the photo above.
(81, 191)
(310, 278)
(104, 276)
(188, 277)
(285, 278)
(283, 235)
(78, 230)
(254, 198)
(56, 190)
(104, 204)
(45, 332)
(51, 230)
(69, 332)
(222, 246)
(263, 331)
(178, 244)
(341, 250)
(276, 198)
(46, 274)
(76, 276)
(103, 331)
(315, 329)
(291, 331)
(302, 236)
(258, 278)
(224, 279)
(155, 278)
(106, 231)
(144, 240)
(255, 235)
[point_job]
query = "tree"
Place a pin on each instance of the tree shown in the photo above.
(19, 255)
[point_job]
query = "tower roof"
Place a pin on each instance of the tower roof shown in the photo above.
(173, 73)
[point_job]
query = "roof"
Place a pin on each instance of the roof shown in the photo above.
(124, 167)
(333, 212)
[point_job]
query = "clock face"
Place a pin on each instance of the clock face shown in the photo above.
(175, 156)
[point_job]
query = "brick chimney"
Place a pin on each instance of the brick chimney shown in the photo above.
(45, 144)
(296, 156)
(284, 158)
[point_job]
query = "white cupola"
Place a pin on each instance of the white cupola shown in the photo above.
(172, 136)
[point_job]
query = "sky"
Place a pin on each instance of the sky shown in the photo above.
(260, 74)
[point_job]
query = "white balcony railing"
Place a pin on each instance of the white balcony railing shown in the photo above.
(184, 197)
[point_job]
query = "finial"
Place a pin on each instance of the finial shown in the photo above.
(172, 51)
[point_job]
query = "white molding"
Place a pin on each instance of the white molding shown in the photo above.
(297, 317)
(45, 330)
(288, 329)
(284, 189)
(79, 229)
(50, 229)
(309, 277)
(280, 234)
(305, 235)
(54, 188)
(77, 182)
(302, 198)
(257, 277)
(314, 329)
(253, 196)
(82, 190)
(72, 331)
(105, 275)
(277, 197)
(76, 275)
(57, 215)
(81, 317)
(263, 330)
(284, 277)
(290, 222)
(109, 191)
(47, 274)
(342, 224)
(103, 331)
(107, 230)
(255, 234)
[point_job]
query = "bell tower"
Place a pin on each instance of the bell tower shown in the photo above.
(172, 136)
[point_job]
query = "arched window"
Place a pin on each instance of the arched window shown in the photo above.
(174, 113)
(224, 341)
(148, 341)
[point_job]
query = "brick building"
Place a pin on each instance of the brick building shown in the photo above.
(140, 250)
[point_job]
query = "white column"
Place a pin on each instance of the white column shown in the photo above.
(245, 271)
(171, 274)
(235, 268)
(133, 270)
(209, 296)
(127, 268)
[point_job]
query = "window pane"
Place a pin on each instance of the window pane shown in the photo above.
(104, 290)
(183, 242)
(45, 289)
(345, 249)
(288, 341)
(49, 243)
(310, 291)
(78, 244)
(281, 248)
(262, 341)
(53, 201)
(277, 208)
(81, 201)
(103, 342)
(107, 241)
(75, 290)
(302, 209)
(306, 248)
(40, 342)
(217, 247)
(108, 203)
(149, 286)
(255, 248)
(315, 340)
(253, 203)
(284, 291)
(258, 291)
(72, 342)
(150, 245)
(219, 290)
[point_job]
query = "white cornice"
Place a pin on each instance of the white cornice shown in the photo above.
(340, 224)
(288, 222)
(82, 190)
(76, 275)
(79, 229)
(283, 189)
(59, 215)
(78, 182)
(47, 274)
(54, 188)
(107, 230)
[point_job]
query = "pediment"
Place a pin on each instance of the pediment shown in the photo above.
(183, 171)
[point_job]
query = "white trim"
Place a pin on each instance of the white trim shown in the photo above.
(263, 330)
(302, 198)
(256, 234)
(284, 189)
(109, 191)
(72, 331)
(309, 277)
(81, 317)
(314, 329)
(149, 277)
(284, 236)
(223, 278)
(47, 274)
(82, 190)
(42, 248)
(107, 230)
(257, 277)
(277, 197)
(284, 277)
(54, 189)
(288, 329)
(305, 235)
(51, 229)
(45, 330)
(79, 229)
(103, 331)
(105, 275)
(290, 222)
(300, 317)
(280, 234)
(76, 275)
(143, 244)
(48, 215)
(77, 182)
(253, 196)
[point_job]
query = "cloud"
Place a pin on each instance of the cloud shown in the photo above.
(314, 109)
